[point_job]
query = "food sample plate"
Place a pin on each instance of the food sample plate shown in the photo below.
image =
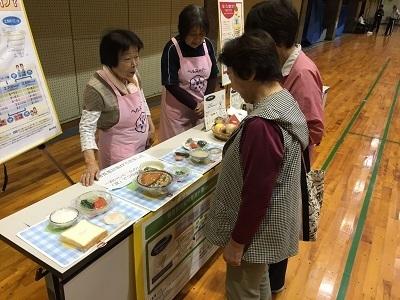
(194, 143)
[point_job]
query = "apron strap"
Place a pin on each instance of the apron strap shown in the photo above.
(178, 49)
(205, 48)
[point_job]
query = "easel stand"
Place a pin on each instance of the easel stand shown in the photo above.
(5, 178)
(55, 163)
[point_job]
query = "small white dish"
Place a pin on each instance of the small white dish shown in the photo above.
(64, 217)
(151, 165)
(180, 172)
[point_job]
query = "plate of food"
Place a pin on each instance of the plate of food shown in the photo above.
(154, 182)
(94, 203)
(151, 165)
(193, 143)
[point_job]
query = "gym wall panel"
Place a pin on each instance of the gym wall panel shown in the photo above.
(154, 30)
(51, 29)
(67, 35)
(90, 19)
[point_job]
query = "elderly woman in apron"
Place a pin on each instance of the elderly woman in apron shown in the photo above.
(189, 71)
(115, 106)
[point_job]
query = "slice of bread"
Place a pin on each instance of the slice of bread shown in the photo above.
(83, 235)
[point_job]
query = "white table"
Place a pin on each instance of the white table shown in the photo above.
(106, 273)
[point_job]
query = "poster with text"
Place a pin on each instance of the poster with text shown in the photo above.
(170, 246)
(27, 114)
(231, 25)
(214, 106)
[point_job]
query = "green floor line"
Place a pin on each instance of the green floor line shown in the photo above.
(340, 141)
(364, 210)
(373, 137)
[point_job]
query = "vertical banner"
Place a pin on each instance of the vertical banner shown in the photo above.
(27, 114)
(214, 106)
(231, 25)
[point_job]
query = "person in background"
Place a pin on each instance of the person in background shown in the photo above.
(115, 106)
(189, 71)
(378, 18)
(254, 213)
(300, 77)
(393, 17)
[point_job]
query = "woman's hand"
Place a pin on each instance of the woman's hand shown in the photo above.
(233, 253)
(92, 170)
(152, 133)
(199, 110)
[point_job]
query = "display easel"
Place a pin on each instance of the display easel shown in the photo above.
(5, 178)
(28, 113)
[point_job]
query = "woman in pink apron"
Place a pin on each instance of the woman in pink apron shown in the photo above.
(115, 106)
(189, 71)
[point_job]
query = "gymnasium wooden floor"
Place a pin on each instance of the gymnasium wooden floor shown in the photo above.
(357, 255)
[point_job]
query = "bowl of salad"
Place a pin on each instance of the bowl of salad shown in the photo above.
(94, 203)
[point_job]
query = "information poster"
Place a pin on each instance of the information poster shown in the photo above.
(231, 25)
(170, 246)
(214, 106)
(27, 114)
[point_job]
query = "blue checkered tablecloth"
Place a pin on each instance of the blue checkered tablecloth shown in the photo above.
(201, 168)
(46, 240)
(132, 192)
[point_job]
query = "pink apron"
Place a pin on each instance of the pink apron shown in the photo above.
(129, 136)
(193, 74)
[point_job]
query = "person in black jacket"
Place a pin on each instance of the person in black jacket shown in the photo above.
(378, 18)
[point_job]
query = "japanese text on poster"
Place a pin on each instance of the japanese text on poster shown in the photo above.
(27, 115)
(231, 25)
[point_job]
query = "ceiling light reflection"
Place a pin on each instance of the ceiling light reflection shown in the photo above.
(368, 161)
(359, 186)
(347, 225)
(326, 287)
(374, 143)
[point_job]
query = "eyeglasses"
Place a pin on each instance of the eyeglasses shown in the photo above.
(129, 60)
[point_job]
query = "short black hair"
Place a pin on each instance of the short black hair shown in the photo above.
(253, 53)
(114, 43)
(192, 16)
(277, 17)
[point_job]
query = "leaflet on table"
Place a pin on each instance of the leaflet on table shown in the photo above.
(230, 26)
(122, 173)
(236, 101)
(27, 114)
(214, 106)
